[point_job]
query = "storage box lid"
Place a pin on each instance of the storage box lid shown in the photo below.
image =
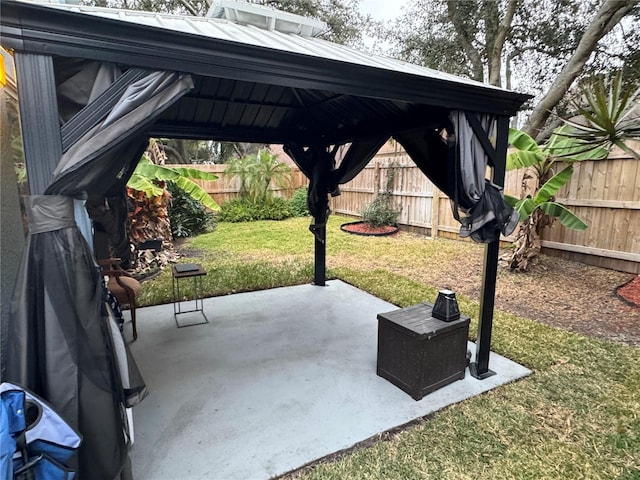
(417, 321)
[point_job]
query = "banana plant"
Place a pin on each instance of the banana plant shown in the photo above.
(146, 175)
(543, 200)
(149, 198)
(538, 208)
(561, 146)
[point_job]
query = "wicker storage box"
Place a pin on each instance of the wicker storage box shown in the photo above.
(419, 353)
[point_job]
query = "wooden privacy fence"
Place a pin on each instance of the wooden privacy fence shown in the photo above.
(604, 193)
(227, 188)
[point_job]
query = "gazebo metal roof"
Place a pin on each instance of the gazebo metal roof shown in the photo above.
(253, 84)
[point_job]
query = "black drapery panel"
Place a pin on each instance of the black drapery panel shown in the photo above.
(489, 216)
(79, 82)
(61, 334)
(318, 163)
(58, 348)
(106, 151)
(457, 166)
(434, 156)
(357, 157)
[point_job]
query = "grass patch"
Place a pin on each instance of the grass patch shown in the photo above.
(229, 275)
(577, 416)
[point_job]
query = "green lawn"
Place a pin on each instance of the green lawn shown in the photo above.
(577, 416)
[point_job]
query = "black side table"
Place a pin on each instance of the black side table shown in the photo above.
(181, 272)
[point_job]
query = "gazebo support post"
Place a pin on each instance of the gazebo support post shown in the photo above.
(39, 116)
(480, 368)
(320, 253)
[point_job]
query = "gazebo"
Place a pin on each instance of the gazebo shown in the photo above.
(95, 84)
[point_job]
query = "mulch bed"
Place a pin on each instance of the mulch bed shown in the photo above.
(361, 228)
(630, 291)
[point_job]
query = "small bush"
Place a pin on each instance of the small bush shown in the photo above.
(276, 208)
(187, 216)
(381, 212)
(245, 210)
(237, 210)
(298, 203)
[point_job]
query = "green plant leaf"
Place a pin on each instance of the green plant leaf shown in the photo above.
(143, 184)
(551, 186)
(567, 144)
(566, 217)
(196, 192)
(527, 152)
(155, 172)
(525, 208)
(194, 173)
(511, 201)
(146, 172)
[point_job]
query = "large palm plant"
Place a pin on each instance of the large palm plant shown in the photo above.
(256, 174)
(610, 117)
(267, 170)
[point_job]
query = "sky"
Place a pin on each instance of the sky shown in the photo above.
(382, 9)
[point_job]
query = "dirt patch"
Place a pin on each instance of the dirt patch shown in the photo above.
(180, 244)
(564, 294)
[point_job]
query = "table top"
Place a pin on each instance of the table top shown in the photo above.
(417, 320)
(188, 270)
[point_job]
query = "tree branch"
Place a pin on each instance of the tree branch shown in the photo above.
(609, 14)
(495, 58)
(186, 4)
(470, 50)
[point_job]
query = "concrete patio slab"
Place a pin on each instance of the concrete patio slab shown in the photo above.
(275, 380)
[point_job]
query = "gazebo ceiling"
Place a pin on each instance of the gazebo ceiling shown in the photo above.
(253, 84)
(235, 110)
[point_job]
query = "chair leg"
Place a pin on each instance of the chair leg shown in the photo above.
(133, 321)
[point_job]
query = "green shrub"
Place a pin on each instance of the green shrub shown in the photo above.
(381, 211)
(245, 210)
(298, 203)
(276, 208)
(187, 216)
(237, 210)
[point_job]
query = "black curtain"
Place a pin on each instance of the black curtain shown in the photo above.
(61, 337)
(456, 163)
(318, 163)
